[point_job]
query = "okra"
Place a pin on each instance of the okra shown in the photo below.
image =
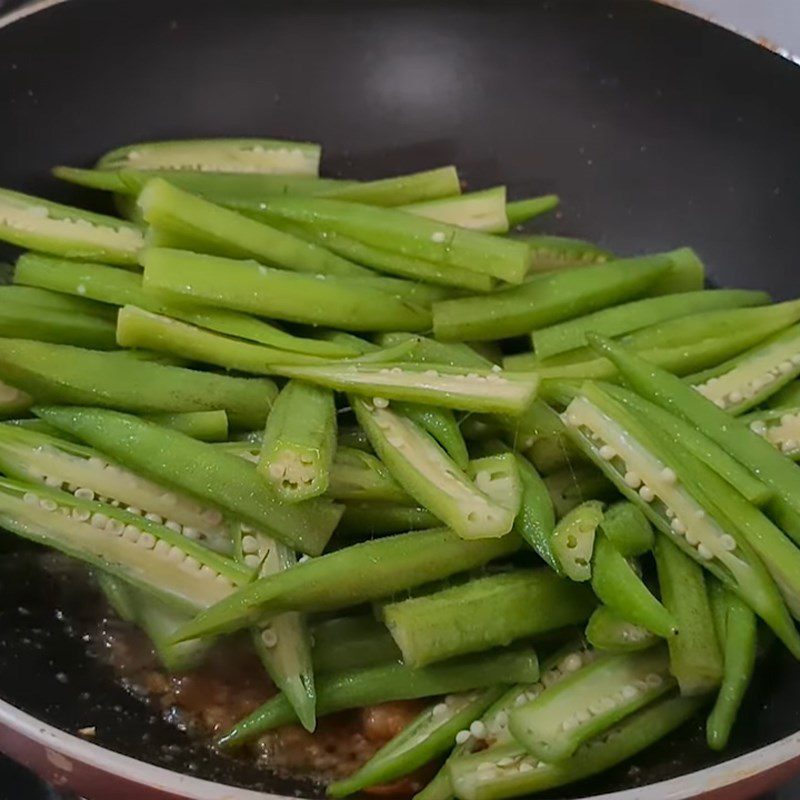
(627, 529)
(38, 224)
(743, 444)
(427, 737)
(121, 288)
(607, 630)
(201, 470)
(694, 655)
(400, 190)
(392, 682)
(299, 442)
(633, 316)
(749, 379)
(118, 594)
(780, 427)
(169, 208)
(431, 351)
(345, 643)
(497, 476)
(738, 633)
(136, 549)
(45, 300)
(545, 300)
(360, 476)
(366, 571)
(646, 471)
(688, 274)
(357, 304)
(429, 475)
(484, 613)
(479, 211)
(407, 234)
(208, 426)
(218, 155)
(617, 585)
(54, 373)
(513, 773)
(47, 325)
(367, 519)
(560, 252)
(788, 396)
(570, 487)
(519, 212)
(442, 425)
(573, 539)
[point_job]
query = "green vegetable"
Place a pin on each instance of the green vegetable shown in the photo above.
(478, 211)
(520, 211)
(573, 539)
(560, 252)
(627, 529)
(345, 643)
(607, 630)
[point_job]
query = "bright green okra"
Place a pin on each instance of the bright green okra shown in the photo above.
(550, 253)
(208, 426)
(360, 476)
(628, 529)
(345, 643)
(688, 274)
(202, 470)
(545, 300)
(54, 301)
(440, 423)
(519, 212)
(62, 374)
(484, 613)
(38, 224)
(780, 427)
(366, 571)
(299, 442)
(430, 476)
(392, 682)
(574, 537)
(479, 211)
(18, 320)
(570, 487)
(607, 630)
(365, 520)
(694, 655)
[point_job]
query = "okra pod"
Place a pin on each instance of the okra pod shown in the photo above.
(497, 476)
(345, 643)
(751, 378)
(208, 426)
(217, 155)
(299, 442)
(738, 634)
(47, 325)
(430, 476)
(688, 274)
(629, 317)
(442, 425)
(780, 427)
(427, 737)
(368, 519)
(360, 476)
(607, 630)
(38, 224)
(484, 613)
(431, 351)
(46, 300)
(357, 574)
(392, 682)
(62, 374)
(571, 486)
(627, 529)
(550, 253)
(479, 211)
(788, 396)
(545, 300)
(520, 211)
(202, 470)
(574, 537)
(617, 585)
(694, 655)
(400, 190)
(589, 702)
(357, 304)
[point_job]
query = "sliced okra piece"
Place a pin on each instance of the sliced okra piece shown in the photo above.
(550, 253)
(442, 425)
(519, 212)
(399, 190)
(120, 288)
(554, 453)
(758, 455)
(392, 682)
(55, 373)
(545, 300)
(484, 613)
(201, 470)
(512, 772)
(138, 550)
(299, 442)
(46, 300)
(628, 529)
(780, 427)
(480, 211)
(38, 224)
(749, 379)
(573, 539)
(431, 351)
(589, 702)
(75, 328)
(447, 387)
(737, 630)
(35, 457)
(645, 470)
(429, 475)
(208, 426)
(497, 476)
(270, 156)
(607, 630)
(397, 231)
(629, 317)
(570, 487)
(363, 572)
(694, 655)
(346, 643)
(357, 304)
(618, 585)
(427, 737)
(364, 520)
(360, 476)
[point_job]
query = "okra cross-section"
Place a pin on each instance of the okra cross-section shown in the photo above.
(780, 427)
(429, 475)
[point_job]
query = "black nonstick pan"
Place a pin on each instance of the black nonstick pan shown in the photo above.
(657, 129)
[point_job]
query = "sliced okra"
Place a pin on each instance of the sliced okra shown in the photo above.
(360, 476)
(497, 476)
(780, 427)
(480, 211)
(560, 252)
(571, 486)
(346, 643)
(519, 212)
(573, 539)
(607, 630)
(369, 519)
(628, 529)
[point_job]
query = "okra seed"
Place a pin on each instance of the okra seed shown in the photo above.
(132, 534)
(704, 552)
(249, 544)
(569, 724)
(30, 498)
(789, 445)
(700, 514)
(629, 692)
(146, 540)
(654, 681)
(632, 480)
(520, 700)
(269, 637)
(526, 766)
(212, 516)
(786, 367)
(505, 762)
(647, 494)
(99, 520)
(668, 475)
(173, 526)
(796, 359)
(478, 729)
(735, 397)
(81, 514)
(678, 526)
(163, 549)
(151, 517)
(84, 494)
(501, 718)
(720, 402)
(115, 527)
(252, 560)
(462, 737)
(583, 716)
(727, 542)
(208, 572)
(47, 504)
(380, 402)
(176, 554)
(572, 663)
(191, 533)
(190, 564)
(691, 537)
(486, 766)
(396, 371)
(606, 452)
(51, 480)
(496, 368)
(439, 710)
(670, 513)
(131, 510)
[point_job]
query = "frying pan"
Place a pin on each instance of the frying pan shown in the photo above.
(657, 129)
